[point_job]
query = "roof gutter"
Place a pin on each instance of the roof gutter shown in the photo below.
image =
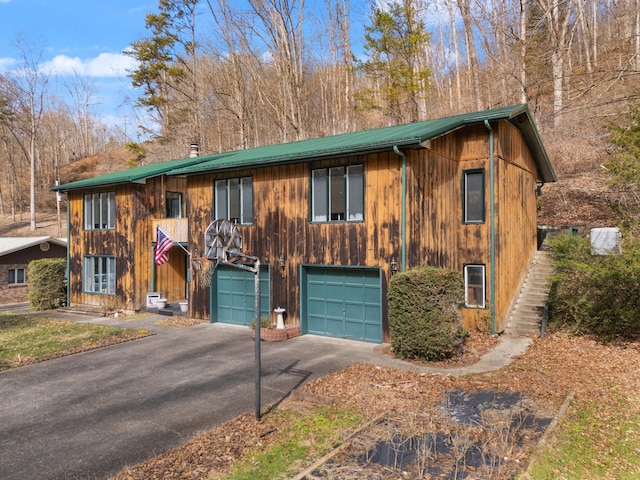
(492, 228)
(403, 220)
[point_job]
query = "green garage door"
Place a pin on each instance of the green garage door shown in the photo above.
(233, 294)
(343, 302)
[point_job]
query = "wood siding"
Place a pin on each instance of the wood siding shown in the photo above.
(130, 242)
(435, 232)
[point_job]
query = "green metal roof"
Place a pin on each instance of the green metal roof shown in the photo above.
(131, 175)
(380, 139)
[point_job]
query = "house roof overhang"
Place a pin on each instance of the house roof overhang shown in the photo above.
(413, 135)
(136, 175)
(14, 244)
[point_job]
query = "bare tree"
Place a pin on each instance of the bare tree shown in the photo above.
(30, 86)
(83, 92)
(280, 28)
(556, 16)
(472, 56)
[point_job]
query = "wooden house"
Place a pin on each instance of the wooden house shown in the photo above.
(331, 219)
(15, 255)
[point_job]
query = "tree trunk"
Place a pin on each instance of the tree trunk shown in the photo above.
(465, 11)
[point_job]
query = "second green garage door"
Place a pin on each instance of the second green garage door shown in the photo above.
(343, 302)
(232, 295)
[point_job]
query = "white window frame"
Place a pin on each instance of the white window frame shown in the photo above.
(346, 204)
(471, 302)
(16, 276)
(99, 274)
(233, 200)
(100, 211)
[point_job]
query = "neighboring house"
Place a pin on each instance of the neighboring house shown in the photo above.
(15, 255)
(331, 219)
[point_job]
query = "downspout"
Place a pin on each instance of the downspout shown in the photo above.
(492, 229)
(403, 220)
(68, 252)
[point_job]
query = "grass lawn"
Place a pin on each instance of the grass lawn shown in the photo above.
(596, 440)
(26, 339)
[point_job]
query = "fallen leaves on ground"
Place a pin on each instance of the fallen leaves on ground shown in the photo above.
(550, 369)
(180, 321)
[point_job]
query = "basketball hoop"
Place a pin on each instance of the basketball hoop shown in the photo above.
(222, 239)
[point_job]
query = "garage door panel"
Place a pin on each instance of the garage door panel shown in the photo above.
(354, 311)
(316, 324)
(235, 295)
(372, 294)
(332, 326)
(334, 290)
(371, 331)
(353, 291)
(344, 302)
(353, 330)
(334, 308)
(372, 311)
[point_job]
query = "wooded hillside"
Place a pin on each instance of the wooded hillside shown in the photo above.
(233, 75)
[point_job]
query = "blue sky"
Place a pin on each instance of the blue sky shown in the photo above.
(78, 36)
(87, 37)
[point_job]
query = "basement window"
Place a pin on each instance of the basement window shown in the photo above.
(337, 194)
(474, 286)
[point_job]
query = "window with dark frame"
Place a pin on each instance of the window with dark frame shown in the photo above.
(474, 286)
(337, 194)
(473, 196)
(15, 276)
(100, 211)
(99, 274)
(173, 204)
(233, 200)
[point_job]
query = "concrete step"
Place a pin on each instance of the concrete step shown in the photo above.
(526, 317)
(535, 292)
(528, 325)
(540, 276)
(535, 288)
(529, 297)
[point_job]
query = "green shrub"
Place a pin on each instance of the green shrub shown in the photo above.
(595, 294)
(424, 317)
(46, 283)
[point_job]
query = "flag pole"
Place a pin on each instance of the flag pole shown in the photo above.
(174, 242)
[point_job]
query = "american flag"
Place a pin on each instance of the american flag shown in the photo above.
(163, 245)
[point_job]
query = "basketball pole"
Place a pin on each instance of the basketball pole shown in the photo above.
(223, 239)
(256, 272)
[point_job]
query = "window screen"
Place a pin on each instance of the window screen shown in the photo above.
(473, 196)
(337, 194)
(474, 283)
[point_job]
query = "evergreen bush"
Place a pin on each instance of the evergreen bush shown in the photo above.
(46, 283)
(424, 317)
(595, 294)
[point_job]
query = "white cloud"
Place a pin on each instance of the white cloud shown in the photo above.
(103, 66)
(7, 62)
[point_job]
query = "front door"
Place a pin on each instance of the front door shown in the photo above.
(171, 277)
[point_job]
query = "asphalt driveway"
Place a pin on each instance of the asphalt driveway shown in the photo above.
(87, 416)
